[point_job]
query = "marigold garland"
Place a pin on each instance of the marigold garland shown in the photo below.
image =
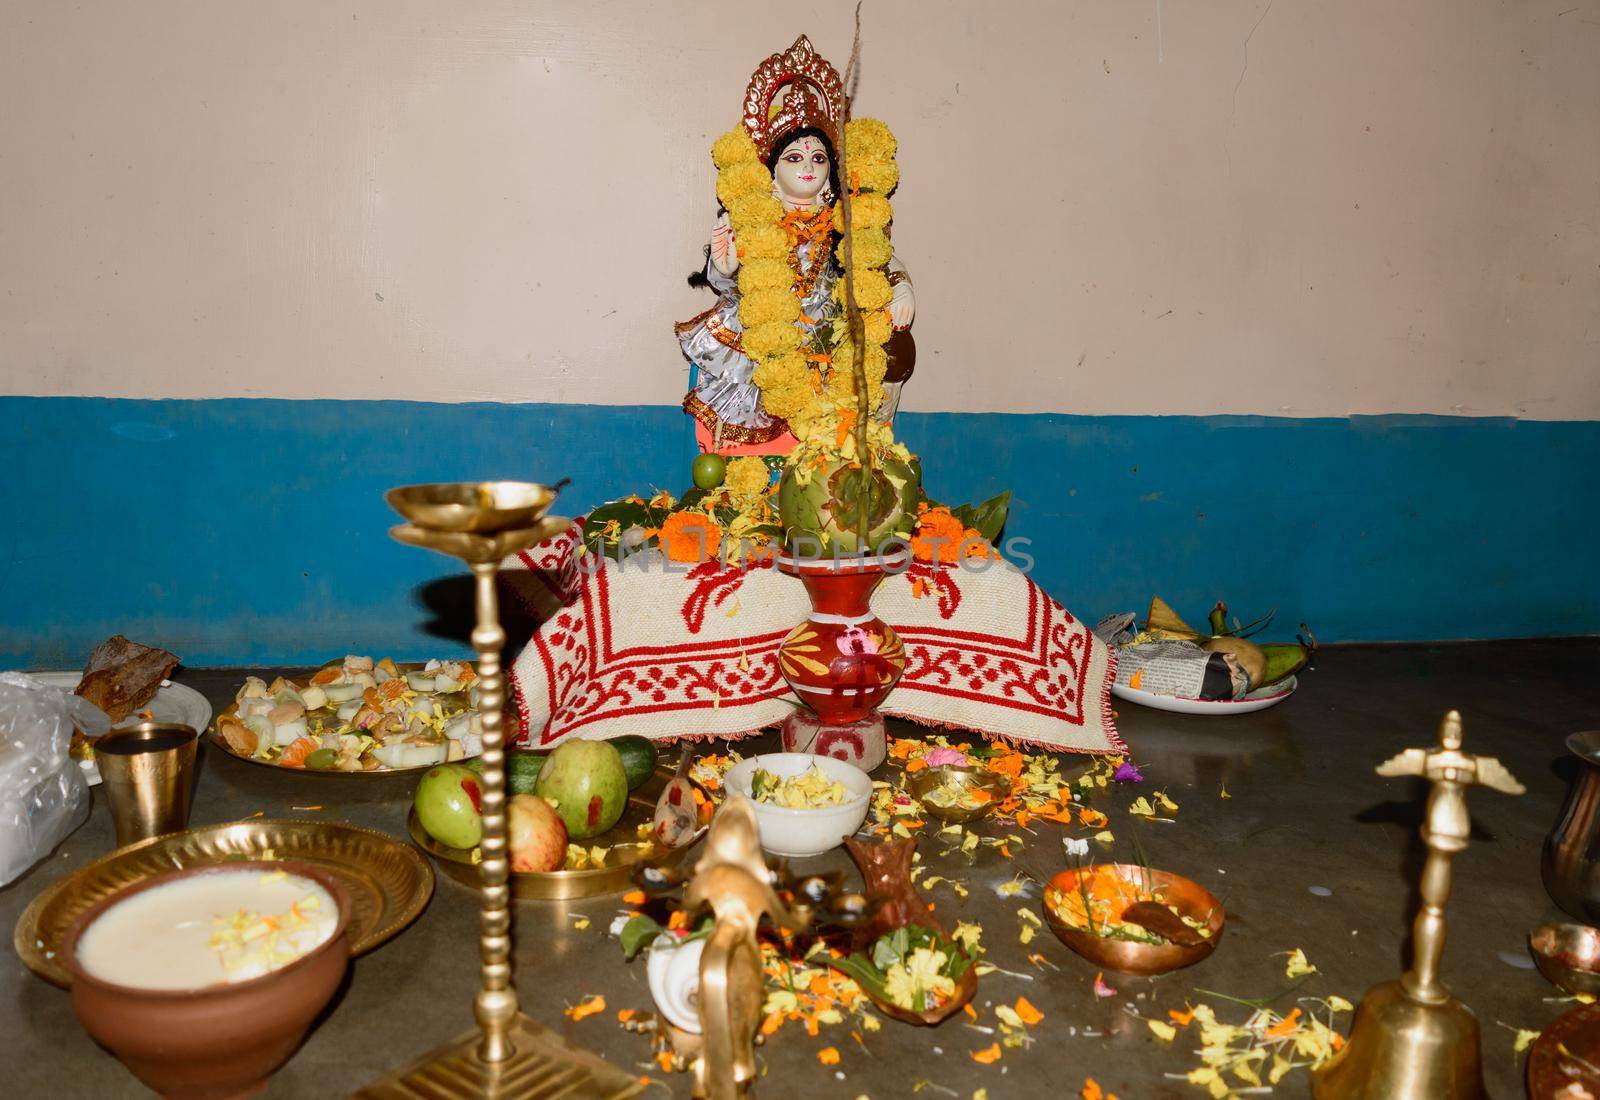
(809, 392)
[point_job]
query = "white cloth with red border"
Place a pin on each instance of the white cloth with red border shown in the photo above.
(670, 651)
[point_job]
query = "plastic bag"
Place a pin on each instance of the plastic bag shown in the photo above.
(43, 795)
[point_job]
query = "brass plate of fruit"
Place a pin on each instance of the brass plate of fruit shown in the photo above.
(624, 850)
(389, 883)
(324, 720)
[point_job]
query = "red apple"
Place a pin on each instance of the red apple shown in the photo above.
(535, 834)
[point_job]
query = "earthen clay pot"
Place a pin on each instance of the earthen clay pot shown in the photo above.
(842, 661)
(221, 1041)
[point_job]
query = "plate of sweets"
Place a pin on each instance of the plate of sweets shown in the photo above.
(356, 717)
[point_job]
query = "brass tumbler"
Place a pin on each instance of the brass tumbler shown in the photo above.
(148, 776)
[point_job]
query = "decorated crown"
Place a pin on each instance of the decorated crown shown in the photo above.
(790, 91)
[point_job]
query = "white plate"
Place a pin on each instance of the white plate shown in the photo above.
(171, 703)
(1257, 700)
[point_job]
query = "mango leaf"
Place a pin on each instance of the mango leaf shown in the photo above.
(988, 518)
(859, 967)
(638, 932)
(600, 537)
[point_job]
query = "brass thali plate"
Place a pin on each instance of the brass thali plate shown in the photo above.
(389, 883)
(326, 719)
(622, 839)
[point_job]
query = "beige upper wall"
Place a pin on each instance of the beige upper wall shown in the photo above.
(1110, 207)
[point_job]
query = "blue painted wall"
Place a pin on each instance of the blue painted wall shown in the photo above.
(238, 531)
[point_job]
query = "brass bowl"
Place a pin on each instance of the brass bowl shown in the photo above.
(1129, 956)
(478, 507)
(923, 783)
(1568, 955)
(613, 878)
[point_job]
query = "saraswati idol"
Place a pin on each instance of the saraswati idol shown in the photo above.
(774, 263)
(777, 373)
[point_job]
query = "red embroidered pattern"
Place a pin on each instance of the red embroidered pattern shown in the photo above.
(1041, 666)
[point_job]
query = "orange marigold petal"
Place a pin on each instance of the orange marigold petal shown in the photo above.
(828, 1056)
(1028, 1014)
(987, 1057)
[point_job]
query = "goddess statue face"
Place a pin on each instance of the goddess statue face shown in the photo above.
(801, 171)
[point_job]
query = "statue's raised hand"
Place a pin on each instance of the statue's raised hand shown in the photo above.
(724, 256)
(903, 303)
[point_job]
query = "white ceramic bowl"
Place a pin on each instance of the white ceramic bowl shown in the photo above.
(796, 832)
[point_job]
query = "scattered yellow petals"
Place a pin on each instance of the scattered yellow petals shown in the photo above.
(1029, 1014)
(1166, 803)
(828, 1056)
(1142, 808)
(1339, 1004)
(580, 924)
(594, 1004)
(1524, 1040)
(987, 1057)
(1104, 836)
(1297, 966)
(1224, 792)
(1163, 1030)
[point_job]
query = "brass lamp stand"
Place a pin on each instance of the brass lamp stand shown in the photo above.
(1412, 1039)
(508, 1055)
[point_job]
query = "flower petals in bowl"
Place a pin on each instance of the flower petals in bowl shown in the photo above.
(951, 792)
(1083, 907)
(803, 831)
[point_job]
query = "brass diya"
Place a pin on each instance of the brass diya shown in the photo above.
(1132, 956)
(1566, 1053)
(507, 1054)
(1568, 955)
(921, 784)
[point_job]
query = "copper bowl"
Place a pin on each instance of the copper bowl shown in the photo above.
(1568, 955)
(219, 1041)
(1130, 956)
(922, 783)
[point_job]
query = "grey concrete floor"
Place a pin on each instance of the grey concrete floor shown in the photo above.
(1311, 850)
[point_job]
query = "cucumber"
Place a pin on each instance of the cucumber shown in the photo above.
(638, 758)
(522, 770)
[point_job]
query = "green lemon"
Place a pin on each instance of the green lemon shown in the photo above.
(709, 470)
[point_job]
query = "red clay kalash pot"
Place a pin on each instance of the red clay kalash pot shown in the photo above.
(842, 661)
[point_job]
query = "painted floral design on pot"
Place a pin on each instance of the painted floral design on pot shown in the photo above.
(842, 662)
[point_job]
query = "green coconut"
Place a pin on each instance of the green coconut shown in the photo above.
(824, 507)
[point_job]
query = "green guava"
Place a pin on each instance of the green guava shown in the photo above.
(449, 805)
(588, 785)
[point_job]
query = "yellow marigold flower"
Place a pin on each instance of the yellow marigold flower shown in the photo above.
(842, 389)
(872, 290)
(875, 176)
(754, 209)
(743, 178)
(747, 477)
(690, 537)
(867, 211)
(868, 138)
(879, 327)
(844, 358)
(762, 241)
(868, 248)
(771, 339)
(764, 273)
(788, 369)
(762, 306)
(733, 147)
